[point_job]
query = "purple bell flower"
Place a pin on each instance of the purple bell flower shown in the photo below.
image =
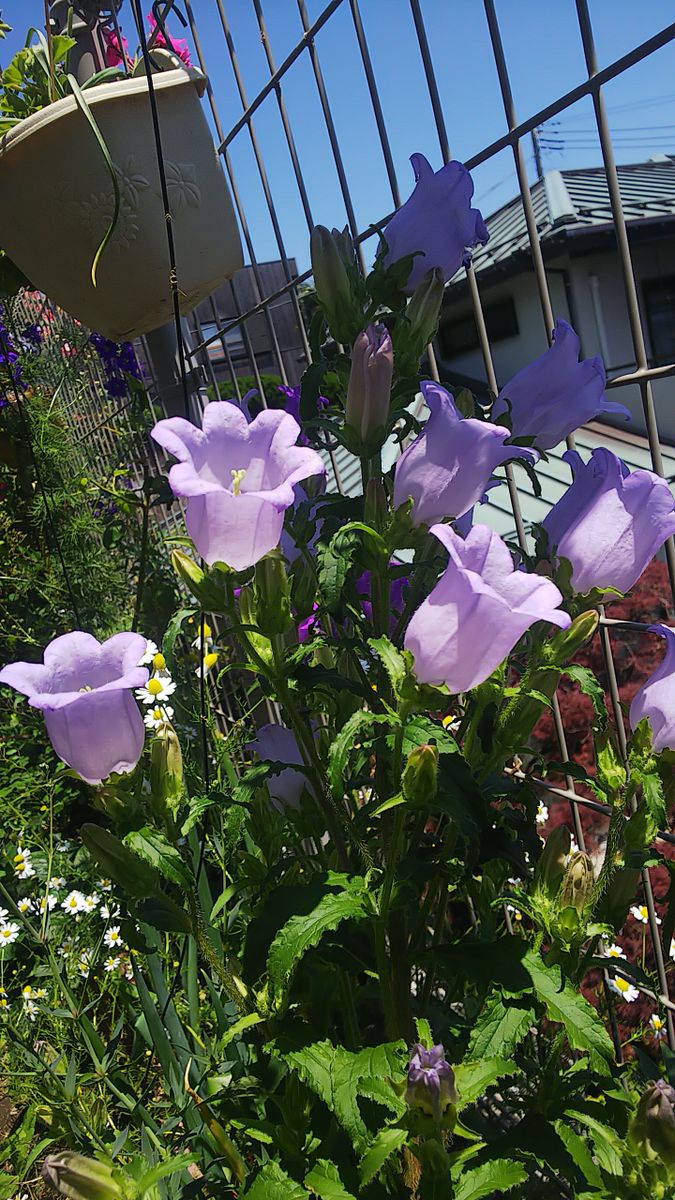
(556, 394)
(238, 478)
(656, 698)
(437, 223)
(276, 743)
(85, 690)
(447, 469)
(430, 1082)
(477, 612)
(610, 521)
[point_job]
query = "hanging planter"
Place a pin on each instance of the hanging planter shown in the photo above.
(56, 203)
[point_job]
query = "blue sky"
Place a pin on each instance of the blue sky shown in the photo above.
(544, 56)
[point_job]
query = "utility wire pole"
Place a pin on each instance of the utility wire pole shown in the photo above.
(537, 152)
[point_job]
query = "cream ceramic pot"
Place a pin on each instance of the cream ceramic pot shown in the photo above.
(56, 201)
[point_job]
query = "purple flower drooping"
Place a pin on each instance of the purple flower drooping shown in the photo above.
(436, 223)
(118, 361)
(556, 394)
(448, 467)
(276, 743)
(430, 1082)
(238, 478)
(610, 521)
(477, 612)
(656, 698)
(85, 690)
(292, 407)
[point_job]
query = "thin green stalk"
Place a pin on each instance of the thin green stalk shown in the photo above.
(142, 563)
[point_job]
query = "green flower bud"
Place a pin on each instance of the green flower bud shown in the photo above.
(208, 588)
(653, 1126)
(81, 1178)
(420, 775)
(578, 882)
(422, 313)
(271, 595)
(166, 773)
(550, 867)
(333, 268)
(564, 645)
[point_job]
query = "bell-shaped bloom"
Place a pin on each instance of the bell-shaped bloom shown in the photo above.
(430, 1081)
(237, 478)
(276, 743)
(556, 394)
(447, 469)
(656, 698)
(610, 521)
(369, 388)
(437, 223)
(85, 689)
(477, 612)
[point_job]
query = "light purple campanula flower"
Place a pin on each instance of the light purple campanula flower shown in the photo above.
(85, 690)
(438, 220)
(656, 698)
(430, 1082)
(610, 521)
(237, 477)
(447, 469)
(556, 394)
(477, 611)
(276, 743)
(369, 389)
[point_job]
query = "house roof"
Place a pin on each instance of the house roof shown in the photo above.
(573, 204)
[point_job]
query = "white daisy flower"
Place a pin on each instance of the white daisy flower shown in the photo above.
(208, 663)
(613, 951)
(128, 969)
(84, 963)
(30, 1009)
(109, 911)
(151, 649)
(23, 868)
(158, 716)
(9, 932)
(56, 883)
(624, 989)
(641, 914)
(4, 1002)
(63, 846)
(672, 948)
(74, 902)
(24, 905)
(3, 914)
(208, 637)
(112, 939)
(157, 690)
(48, 902)
(91, 902)
(542, 814)
(658, 1027)
(104, 885)
(111, 963)
(515, 912)
(65, 948)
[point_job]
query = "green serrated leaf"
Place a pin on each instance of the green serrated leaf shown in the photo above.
(582, 1024)
(578, 1148)
(606, 1144)
(324, 1181)
(499, 1175)
(387, 1141)
(499, 1028)
(351, 732)
(157, 850)
(472, 1078)
(305, 931)
(591, 688)
(392, 660)
(271, 1183)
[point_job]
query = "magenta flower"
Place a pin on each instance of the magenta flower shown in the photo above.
(437, 223)
(448, 468)
(610, 521)
(276, 743)
(430, 1082)
(237, 478)
(85, 690)
(114, 52)
(656, 698)
(178, 46)
(556, 394)
(477, 612)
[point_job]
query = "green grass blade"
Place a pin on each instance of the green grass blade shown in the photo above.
(86, 112)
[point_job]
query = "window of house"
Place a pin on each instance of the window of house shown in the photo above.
(233, 339)
(659, 299)
(459, 334)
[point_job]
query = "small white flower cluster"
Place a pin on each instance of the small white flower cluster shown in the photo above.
(30, 998)
(9, 930)
(541, 816)
(641, 914)
(23, 867)
(157, 690)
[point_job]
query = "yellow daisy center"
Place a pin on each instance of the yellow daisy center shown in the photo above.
(622, 984)
(210, 660)
(159, 662)
(207, 630)
(154, 687)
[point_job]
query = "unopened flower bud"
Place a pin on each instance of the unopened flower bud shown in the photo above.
(369, 388)
(333, 265)
(208, 588)
(430, 1083)
(577, 883)
(653, 1126)
(567, 642)
(419, 782)
(271, 595)
(550, 867)
(166, 773)
(423, 312)
(81, 1178)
